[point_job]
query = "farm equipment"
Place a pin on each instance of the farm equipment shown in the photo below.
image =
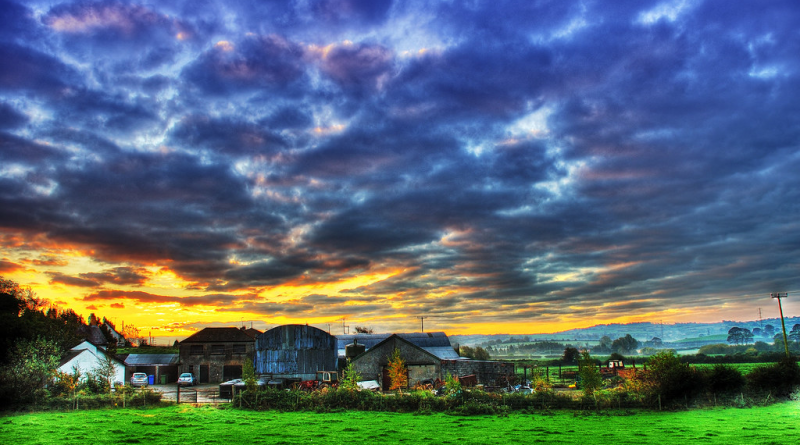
(323, 379)
(616, 368)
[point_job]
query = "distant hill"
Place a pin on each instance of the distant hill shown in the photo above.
(675, 332)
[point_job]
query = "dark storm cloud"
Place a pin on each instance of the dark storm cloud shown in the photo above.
(256, 62)
(119, 275)
(226, 136)
(25, 69)
(11, 118)
(60, 278)
(15, 149)
(358, 68)
(498, 158)
(108, 296)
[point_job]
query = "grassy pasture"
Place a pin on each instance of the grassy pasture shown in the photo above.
(775, 424)
(744, 368)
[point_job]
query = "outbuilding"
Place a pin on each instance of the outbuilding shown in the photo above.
(295, 352)
(216, 354)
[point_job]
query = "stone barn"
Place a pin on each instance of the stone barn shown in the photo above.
(216, 354)
(422, 365)
(295, 352)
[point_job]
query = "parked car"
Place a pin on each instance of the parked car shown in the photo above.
(187, 379)
(139, 379)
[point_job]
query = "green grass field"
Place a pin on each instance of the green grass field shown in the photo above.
(776, 424)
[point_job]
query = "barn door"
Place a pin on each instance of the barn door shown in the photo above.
(203, 373)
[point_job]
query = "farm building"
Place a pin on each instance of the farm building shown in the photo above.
(164, 367)
(86, 358)
(216, 354)
(428, 357)
(295, 352)
(422, 365)
(436, 343)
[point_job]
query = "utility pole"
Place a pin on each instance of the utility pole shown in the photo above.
(422, 322)
(345, 329)
(778, 296)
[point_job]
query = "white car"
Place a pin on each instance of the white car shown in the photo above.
(187, 379)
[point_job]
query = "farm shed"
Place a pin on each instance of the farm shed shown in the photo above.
(422, 365)
(216, 354)
(436, 343)
(163, 366)
(295, 351)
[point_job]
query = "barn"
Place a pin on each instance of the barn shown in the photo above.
(295, 352)
(422, 365)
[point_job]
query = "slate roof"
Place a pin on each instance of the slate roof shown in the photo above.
(152, 359)
(436, 343)
(252, 332)
(221, 335)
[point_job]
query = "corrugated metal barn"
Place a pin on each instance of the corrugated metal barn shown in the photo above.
(295, 351)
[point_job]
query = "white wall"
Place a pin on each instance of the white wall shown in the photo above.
(87, 361)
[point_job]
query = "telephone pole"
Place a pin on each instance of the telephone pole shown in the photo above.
(778, 296)
(422, 323)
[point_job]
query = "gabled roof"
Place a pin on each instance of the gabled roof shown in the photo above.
(100, 354)
(70, 356)
(93, 334)
(436, 343)
(395, 337)
(252, 332)
(209, 335)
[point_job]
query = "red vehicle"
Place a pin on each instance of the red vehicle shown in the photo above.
(324, 379)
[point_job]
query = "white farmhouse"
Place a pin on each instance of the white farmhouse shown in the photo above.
(87, 357)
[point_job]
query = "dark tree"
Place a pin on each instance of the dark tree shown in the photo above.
(571, 355)
(625, 345)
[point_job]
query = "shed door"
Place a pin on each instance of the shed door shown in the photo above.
(203, 373)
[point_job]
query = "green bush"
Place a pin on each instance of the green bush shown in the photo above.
(724, 379)
(778, 379)
(669, 380)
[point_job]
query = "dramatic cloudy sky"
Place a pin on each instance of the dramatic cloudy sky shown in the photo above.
(498, 166)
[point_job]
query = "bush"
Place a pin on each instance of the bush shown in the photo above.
(670, 380)
(725, 379)
(778, 379)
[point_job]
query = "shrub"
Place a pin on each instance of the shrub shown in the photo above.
(669, 379)
(725, 379)
(779, 378)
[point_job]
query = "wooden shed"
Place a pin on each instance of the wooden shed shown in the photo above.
(295, 351)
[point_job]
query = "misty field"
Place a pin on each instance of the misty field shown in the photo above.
(776, 424)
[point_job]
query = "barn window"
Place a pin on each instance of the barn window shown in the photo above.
(196, 350)
(217, 349)
(239, 349)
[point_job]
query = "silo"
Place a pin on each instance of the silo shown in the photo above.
(295, 351)
(354, 349)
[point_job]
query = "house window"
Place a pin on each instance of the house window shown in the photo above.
(196, 350)
(239, 349)
(217, 349)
